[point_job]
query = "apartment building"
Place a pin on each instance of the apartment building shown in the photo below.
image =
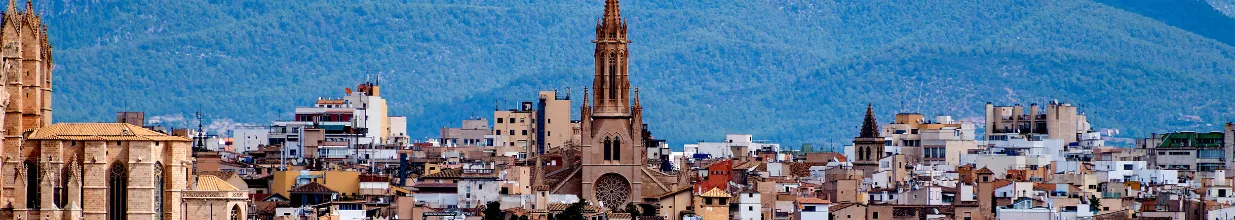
(932, 142)
(1056, 120)
(1187, 151)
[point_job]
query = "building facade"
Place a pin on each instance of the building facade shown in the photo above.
(96, 171)
(612, 123)
(1059, 121)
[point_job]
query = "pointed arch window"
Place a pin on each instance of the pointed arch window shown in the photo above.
(160, 191)
(32, 185)
(117, 192)
(613, 76)
(608, 148)
(617, 149)
(62, 188)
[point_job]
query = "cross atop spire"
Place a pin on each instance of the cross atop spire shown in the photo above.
(870, 128)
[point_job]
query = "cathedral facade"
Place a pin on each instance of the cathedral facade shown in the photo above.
(75, 171)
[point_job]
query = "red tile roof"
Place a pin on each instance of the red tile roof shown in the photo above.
(312, 187)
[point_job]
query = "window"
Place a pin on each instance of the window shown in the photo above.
(499, 132)
(499, 120)
(608, 149)
(32, 185)
(613, 76)
(750, 208)
(875, 215)
(117, 192)
(1127, 166)
(160, 191)
(524, 132)
(809, 208)
(236, 214)
(617, 149)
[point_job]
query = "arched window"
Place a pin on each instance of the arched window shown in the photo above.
(617, 149)
(236, 213)
(613, 76)
(117, 192)
(160, 191)
(608, 148)
(32, 185)
(62, 188)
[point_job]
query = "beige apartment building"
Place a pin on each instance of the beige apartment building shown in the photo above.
(542, 125)
(516, 126)
(1057, 120)
(553, 117)
(936, 142)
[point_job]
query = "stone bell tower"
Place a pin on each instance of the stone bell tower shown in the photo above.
(612, 121)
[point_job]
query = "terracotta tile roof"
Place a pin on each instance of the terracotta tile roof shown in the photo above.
(558, 207)
(716, 193)
(619, 215)
(220, 174)
(984, 170)
(748, 165)
(100, 132)
(812, 200)
(445, 174)
(1002, 183)
(212, 183)
(312, 187)
(676, 191)
(541, 187)
(838, 207)
(802, 169)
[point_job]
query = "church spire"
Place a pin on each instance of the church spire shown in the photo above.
(870, 128)
(612, 10)
(12, 8)
(538, 175)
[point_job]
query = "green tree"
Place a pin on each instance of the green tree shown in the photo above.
(633, 210)
(808, 148)
(574, 212)
(1094, 204)
(493, 211)
(649, 210)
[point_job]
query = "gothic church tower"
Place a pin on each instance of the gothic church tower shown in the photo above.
(26, 97)
(612, 124)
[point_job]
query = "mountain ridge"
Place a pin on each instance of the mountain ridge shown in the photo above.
(784, 70)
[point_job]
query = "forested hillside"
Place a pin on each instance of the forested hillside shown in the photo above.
(790, 71)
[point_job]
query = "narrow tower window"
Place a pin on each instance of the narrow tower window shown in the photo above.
(32, 185)
(617, 149)
(613, 76)
(608, 148)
